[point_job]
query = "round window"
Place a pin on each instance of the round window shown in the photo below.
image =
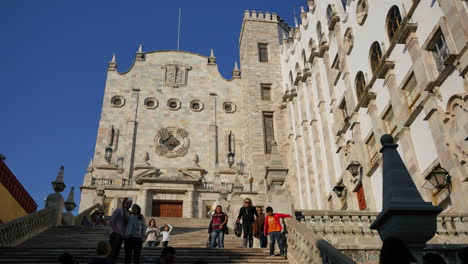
(173, 104)
(117, 101)
(229, 107)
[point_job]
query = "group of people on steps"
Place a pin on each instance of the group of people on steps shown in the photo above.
(254, 224)
(129, 227)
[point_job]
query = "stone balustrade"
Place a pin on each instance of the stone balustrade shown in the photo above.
(305, 246)
(86, 213)
(21, 229)
(351, 229)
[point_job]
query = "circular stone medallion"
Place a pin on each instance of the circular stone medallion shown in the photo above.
(171, 142)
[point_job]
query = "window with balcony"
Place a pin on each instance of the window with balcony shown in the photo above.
(372, 149)
(411, 93)
(375, 56)
(389, 121)
(360, 85)
(344, 111)
(319, 32)
(393, 22)
(440, 50)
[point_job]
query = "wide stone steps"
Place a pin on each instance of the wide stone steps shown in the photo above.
(189, 237)
(184, 255)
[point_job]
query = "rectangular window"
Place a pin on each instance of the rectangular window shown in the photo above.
(440, 50)
(266, 92)
(344, 110)
(263, 52)
(372, 149)
(269, 132)
(389, 121)
(411, 93)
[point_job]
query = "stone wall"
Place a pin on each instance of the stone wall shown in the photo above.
(331, 125)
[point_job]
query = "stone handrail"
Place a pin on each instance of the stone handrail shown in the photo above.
(304, 246)
(21, 229)
(346, 229)
(79, 217)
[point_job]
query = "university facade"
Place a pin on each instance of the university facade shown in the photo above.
(299, 122)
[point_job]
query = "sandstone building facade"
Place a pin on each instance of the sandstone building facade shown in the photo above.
(300, 121)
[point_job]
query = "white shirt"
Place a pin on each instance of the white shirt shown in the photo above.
(152, 234)
(166, 234)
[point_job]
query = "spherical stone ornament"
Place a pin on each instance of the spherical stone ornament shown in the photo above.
(386, 139)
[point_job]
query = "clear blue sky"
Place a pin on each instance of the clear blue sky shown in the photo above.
(54, 56)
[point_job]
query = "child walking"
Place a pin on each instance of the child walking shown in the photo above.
(166, 234)
(273, 228)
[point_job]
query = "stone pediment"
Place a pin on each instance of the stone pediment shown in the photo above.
(168, 175)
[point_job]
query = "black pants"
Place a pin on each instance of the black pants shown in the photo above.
(164, 244)
(132, 245)
(248, 231)
(115, 241)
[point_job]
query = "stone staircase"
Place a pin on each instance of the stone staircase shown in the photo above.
(189, 237)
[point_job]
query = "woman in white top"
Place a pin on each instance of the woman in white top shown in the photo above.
(166, 234)
(152, 234)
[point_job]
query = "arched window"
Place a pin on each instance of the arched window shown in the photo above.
(362, 9)
(291, 79)
(393, 22)
(348, 40)
(319, 32)
(304, 58)
(360, 84)
(375, 56)
(329, 13)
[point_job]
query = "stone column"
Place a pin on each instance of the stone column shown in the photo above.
(144, 202)
(305, 146)
(296, 154)
(189, 204)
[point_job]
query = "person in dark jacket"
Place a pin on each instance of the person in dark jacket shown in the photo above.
(259, 226)
(248, 214)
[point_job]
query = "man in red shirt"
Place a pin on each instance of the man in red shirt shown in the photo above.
(273, 228)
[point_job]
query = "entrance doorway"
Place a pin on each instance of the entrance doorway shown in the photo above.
(165, 208)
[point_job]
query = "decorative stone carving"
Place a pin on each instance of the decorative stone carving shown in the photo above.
(172, 142)
(196, 160)
(176, 75)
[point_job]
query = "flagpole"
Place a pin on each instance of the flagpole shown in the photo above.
(178, 30)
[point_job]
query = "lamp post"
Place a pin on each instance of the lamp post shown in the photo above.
(340, 190)
(230, 157)
(108, 154)
(439, 178)
(405, 215)
(354, 168)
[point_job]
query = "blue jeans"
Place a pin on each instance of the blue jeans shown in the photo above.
(214, 238)
(276, 236)
(152, 243)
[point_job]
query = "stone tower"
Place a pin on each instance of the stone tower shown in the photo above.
(264, 120)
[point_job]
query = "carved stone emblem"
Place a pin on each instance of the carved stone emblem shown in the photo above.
(171, 142)
(175, 75)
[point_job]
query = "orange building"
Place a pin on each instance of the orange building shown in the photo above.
(16, 201)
